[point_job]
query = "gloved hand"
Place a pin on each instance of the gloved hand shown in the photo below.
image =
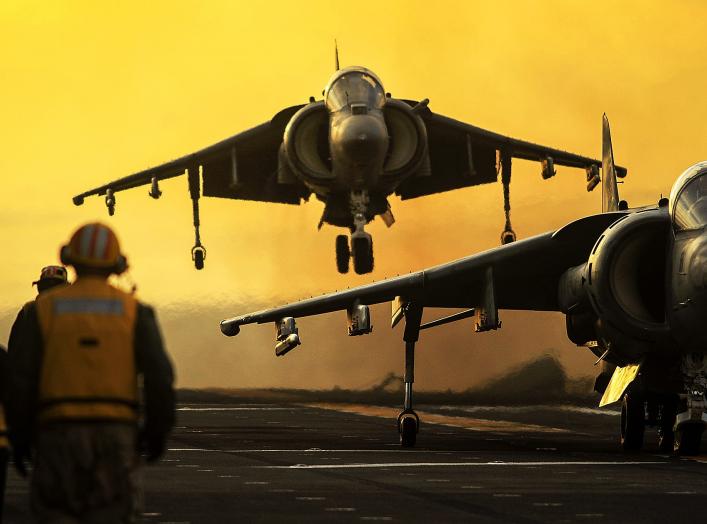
(20, 455)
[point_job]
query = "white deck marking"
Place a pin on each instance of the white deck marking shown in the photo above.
(312, 451)
(235, 409)
(532, 409)
(468, 423)
(456, 464)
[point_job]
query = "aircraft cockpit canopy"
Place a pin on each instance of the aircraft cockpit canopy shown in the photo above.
(356, 86)
(688, 199)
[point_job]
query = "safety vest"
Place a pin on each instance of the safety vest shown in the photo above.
(3, 429)
(88, 362)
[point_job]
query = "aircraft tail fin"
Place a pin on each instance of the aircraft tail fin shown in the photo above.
(609, 187)
(336, 55)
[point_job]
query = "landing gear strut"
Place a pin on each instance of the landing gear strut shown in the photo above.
(508, 235)
(408, 421)
(633, 421)
(198, 252)
(666, 426)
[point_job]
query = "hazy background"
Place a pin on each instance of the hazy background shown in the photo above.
(92, 91)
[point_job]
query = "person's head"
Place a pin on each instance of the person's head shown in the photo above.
(51, 276)
(94, 250)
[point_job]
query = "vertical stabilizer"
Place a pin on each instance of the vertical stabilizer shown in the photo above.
(609, 187)
(336, 55)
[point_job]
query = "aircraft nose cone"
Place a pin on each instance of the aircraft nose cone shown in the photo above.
(363, 138)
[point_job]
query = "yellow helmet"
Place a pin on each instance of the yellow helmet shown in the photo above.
(53, 273)
(94, 246)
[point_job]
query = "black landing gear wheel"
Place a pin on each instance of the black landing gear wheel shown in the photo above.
(666, 433)
(408, 426)
(198, 255)
(343, 253)
(362, 249)
(633, 422)
(688, 437)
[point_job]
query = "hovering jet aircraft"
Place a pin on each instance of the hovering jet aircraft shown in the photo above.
(352, 150)
(631, 282)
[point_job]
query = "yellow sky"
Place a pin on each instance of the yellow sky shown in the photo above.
(91, 91)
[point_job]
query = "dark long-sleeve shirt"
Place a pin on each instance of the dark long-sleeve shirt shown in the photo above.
(25, 361)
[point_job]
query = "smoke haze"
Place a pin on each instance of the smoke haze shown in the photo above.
(95, 91)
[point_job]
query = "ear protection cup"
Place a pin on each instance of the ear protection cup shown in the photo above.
(65, 255)
(121, 265)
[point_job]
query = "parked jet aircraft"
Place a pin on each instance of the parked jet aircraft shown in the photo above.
(352, 149)
(631, 282)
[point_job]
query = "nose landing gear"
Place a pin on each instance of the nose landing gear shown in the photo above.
(343, 254)
(361, 249)
(362, 252)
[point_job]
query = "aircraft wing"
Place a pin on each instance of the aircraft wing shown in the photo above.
(525, 276)
(463, 155)
(243, 166)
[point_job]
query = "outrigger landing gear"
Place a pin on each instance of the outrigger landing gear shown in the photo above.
(408, 421)
(198, 252)
(507, 235)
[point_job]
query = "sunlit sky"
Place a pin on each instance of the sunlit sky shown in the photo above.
(92, 91)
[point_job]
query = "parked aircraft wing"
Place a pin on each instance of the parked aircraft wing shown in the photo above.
(463, 155)
(525, 276)
(243, 166)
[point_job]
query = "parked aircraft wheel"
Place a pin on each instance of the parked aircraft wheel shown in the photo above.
(343, 253)
(633, 422)
(408, 430)
(688, 438)
(362, 247)
(666, 433)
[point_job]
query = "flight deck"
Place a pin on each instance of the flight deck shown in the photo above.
(269, 460)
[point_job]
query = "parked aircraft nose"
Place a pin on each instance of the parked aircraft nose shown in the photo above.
(361, 140)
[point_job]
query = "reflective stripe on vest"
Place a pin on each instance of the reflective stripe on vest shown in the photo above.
(88, 364)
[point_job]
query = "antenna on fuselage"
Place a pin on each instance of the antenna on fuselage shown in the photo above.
(336, 55)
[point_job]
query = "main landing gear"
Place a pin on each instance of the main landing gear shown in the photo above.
(681, 434)
(361, 248)
(408, 421)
